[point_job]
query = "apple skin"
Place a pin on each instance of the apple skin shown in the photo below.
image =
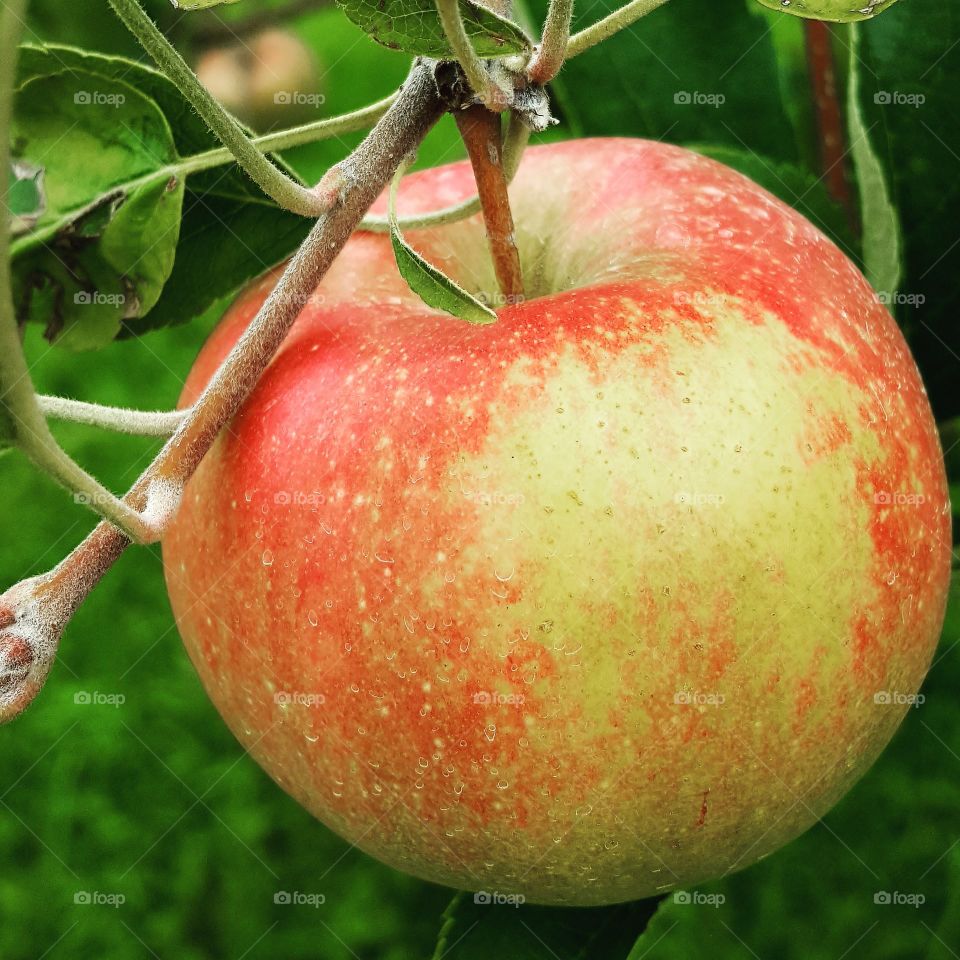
(594, 601)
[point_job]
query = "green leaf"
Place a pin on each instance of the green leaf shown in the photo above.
(414, 27)
(689, 72)
(103, 246)
(431, 285)
(881, 226)
(837, 11)
(229, 230)
(908, 97)
(478, 928)
(794, 185)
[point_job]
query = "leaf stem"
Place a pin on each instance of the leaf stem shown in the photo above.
(482, 136)
(514, 143)
(275, 184)
(610, 25)
(552, 51)
(366, 172)
(146, 423)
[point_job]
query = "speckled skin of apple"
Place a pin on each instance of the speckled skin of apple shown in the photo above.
(597, 600)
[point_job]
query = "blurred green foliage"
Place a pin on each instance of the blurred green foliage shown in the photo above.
(152, 800)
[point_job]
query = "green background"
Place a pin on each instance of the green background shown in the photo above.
(155, 801)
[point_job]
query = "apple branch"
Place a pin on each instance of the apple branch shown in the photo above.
(611, 24)
(34, 613)
(275, 184)
(481, 132)
(552, 50)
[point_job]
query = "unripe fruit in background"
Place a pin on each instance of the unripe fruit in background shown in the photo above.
(271, 79)
(617, 594)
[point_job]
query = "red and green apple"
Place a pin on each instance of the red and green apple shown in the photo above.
(617, 594)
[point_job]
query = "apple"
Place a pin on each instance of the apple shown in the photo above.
(270, 79)
(617, 594)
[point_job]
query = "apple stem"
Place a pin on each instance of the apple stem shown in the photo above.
(829, 117)
(34, 612)
(287, 192)
(514, 143)
(481, 132)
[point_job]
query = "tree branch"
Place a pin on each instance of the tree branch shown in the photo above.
(34, 613)
(481, 134)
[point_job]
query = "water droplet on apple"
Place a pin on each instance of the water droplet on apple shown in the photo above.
(266, 558)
